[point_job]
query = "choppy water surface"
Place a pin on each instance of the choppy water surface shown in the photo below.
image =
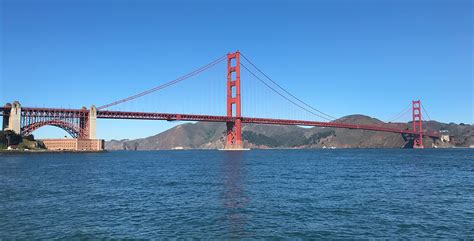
(274, 193)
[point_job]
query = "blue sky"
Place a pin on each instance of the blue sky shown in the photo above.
(343, 57)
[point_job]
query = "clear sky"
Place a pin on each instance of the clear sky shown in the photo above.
(343, 57)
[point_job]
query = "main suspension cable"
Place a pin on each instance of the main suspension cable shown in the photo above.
(400, 114)
(280, 94)
(286, 91)
(184, 77)
(426, 112)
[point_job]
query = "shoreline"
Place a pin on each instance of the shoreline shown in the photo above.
(45, 151)
(340, 148)
(4, 151)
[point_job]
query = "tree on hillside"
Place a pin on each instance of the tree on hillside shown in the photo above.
(9, 138)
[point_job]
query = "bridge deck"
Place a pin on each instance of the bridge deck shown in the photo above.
(104, 114)
(210, 118)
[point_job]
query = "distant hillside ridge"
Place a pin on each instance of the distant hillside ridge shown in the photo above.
(210, 135)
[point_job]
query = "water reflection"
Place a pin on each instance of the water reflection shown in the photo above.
(234, 198)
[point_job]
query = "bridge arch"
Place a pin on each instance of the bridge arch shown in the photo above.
(73, 130)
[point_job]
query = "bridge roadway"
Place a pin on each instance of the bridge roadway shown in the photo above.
(107, 114)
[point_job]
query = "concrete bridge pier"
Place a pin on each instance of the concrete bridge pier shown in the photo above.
(12, 121)
(92, 122)
(88, 124)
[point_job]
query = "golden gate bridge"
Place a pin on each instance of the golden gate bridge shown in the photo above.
(81, 123)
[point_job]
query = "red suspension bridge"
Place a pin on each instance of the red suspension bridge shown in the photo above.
(81, 123)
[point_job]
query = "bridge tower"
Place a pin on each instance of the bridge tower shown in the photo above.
(417, 124)
(234, 128)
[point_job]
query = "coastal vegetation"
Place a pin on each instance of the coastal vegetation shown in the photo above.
(15, 141)
(289, 139)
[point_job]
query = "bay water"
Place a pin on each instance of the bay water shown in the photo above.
(341, 193)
